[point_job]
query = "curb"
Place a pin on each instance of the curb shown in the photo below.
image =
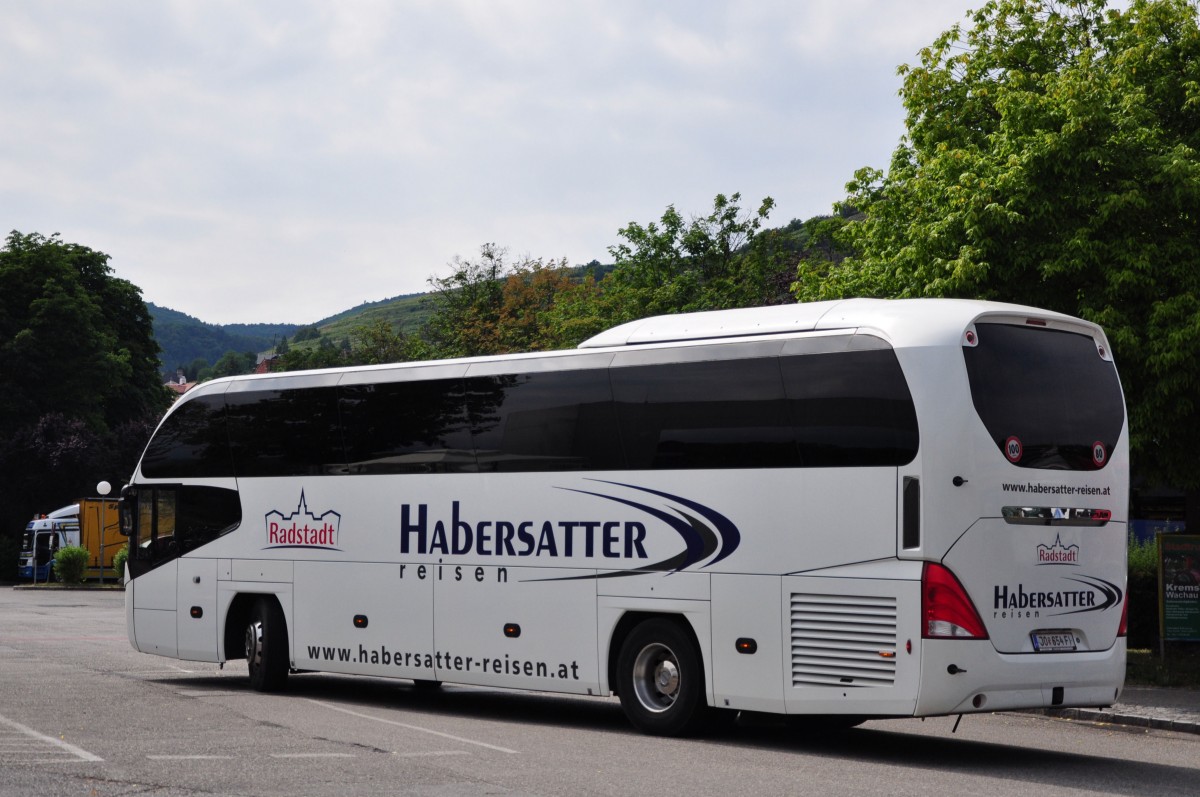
(1160, 720)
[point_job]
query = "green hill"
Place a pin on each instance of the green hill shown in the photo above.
(184, 339)
(407, 313)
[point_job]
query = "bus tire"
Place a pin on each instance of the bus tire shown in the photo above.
(267, 646)
(661, 680)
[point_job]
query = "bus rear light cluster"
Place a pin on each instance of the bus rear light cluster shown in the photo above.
(1123, 628)
(946, 609)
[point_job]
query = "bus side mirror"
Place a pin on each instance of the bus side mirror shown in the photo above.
(126, 506)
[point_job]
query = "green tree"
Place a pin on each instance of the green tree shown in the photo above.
(323, 355)
(493, 306)
(233, 363)
(72, 337)
(377, 342)
(192, 371)
(1052, 158)
(710, 262)
(79, 375)
(466, 305)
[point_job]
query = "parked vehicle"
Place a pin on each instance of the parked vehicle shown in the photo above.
(78, 524)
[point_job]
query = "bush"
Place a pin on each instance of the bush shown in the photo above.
(1142, 593)
(10, 549)
(70, 564)
(119, 562)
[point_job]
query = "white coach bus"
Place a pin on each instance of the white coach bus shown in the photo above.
(852, 509)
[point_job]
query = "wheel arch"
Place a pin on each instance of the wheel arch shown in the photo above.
(238, 615)
(631, 620)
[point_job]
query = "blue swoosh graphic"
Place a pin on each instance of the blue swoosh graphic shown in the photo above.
(731, 538)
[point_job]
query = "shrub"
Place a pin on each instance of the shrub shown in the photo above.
(119, 562)
(1142, 593)
(70, 564)
(10, 549)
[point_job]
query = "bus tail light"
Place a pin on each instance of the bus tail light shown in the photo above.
(1123, 629)
(946, 610)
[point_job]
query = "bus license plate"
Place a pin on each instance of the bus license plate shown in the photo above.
(1053, 641)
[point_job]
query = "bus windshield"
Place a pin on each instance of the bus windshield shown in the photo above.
(1048, 398)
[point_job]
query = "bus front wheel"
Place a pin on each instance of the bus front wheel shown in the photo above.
(660, 679)
(267, 646)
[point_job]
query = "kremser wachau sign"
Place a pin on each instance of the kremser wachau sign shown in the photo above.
(1179, 586)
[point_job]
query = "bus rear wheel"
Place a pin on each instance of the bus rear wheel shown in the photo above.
(660, 680)
(267, 646)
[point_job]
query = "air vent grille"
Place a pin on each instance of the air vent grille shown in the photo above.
(843, 640)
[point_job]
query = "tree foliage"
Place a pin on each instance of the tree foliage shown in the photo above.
(80, 387)
(1052, 158)
(711, 262)
(491, 306)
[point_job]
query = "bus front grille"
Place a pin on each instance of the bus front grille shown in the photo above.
(843, 640)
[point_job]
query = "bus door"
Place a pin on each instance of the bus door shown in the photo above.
(148, 519)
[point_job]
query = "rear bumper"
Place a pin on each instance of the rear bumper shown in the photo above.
(965, 676)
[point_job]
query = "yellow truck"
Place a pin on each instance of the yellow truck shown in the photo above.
(93, 523)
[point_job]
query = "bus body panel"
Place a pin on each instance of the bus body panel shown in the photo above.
(851, 645)
(363, 617)
(747, 607)
(1062, 578)
(983, 680)
(154, 601)
(196, 610)
(681, 586)
(527, 627)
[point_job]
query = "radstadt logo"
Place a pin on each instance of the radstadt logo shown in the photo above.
(302, 528)
(1058, 554)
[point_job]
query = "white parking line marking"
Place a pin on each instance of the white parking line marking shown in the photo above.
(79, 753)
(190, 757)
(413, 727)
(312, 755)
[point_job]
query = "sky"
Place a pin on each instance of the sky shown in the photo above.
(281, 162)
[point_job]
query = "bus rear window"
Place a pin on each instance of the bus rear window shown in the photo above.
(1047, 397)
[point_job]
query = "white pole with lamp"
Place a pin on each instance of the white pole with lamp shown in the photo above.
(103, 489)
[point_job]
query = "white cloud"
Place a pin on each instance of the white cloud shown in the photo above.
(283, 161)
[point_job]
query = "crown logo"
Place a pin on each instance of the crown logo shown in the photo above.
(1058, 554)
(302, 528)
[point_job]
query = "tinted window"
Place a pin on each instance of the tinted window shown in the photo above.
(850, 409)
(1047, 397)
(191, 444)
(285, 432)
(723, 414)
(839, 409)
(165, 521)
(556, 420)
(406, 427)
(203, 514)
